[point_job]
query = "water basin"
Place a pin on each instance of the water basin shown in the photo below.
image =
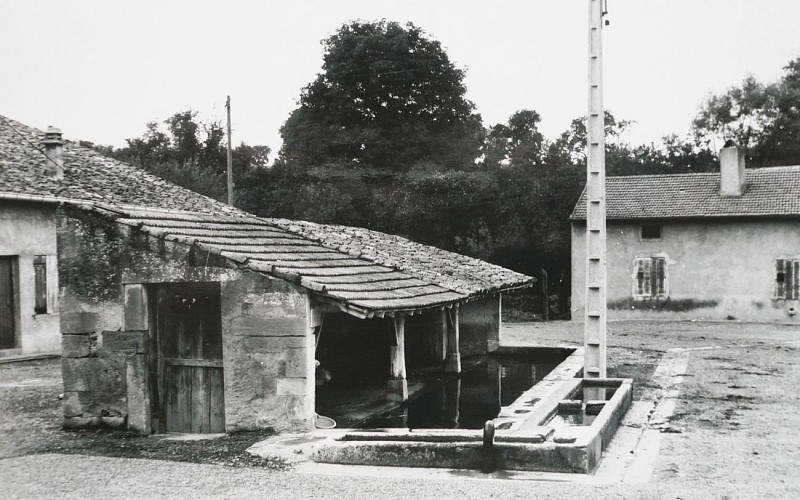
(469, 400)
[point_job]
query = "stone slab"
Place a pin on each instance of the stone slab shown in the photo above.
(78, 322)
(135, 315)
(76, 346)
(126, 341)
(138, 393)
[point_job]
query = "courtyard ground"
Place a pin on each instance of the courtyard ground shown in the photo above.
(716, 416)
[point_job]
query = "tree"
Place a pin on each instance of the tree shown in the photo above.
(781, 142)
(518, 144)
(388, 97)
(764, 119)
(190, 153)
(741, 114)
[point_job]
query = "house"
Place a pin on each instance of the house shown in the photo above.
(180, 313)
(699, 246)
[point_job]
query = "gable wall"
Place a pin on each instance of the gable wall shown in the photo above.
(28, 230)
(107, 272)
(714, 269)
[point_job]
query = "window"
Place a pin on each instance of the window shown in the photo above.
(787, 279)
(650, 277)
(651, 231)
(40, 284)
(8, 308)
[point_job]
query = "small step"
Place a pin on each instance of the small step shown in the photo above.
(593, 343)
(592, 371)
(594, 314)
(594, 286)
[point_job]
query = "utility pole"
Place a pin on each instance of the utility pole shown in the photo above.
(595, 303)
(230, 158)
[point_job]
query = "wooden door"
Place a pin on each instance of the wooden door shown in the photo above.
(8, 333)
(190, 371)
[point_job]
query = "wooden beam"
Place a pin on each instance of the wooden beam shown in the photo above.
(452, 363)
(397, 386)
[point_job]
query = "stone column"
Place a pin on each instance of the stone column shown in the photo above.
(397, 387)
(452, 363)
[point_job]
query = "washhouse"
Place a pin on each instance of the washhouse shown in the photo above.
(179, 313)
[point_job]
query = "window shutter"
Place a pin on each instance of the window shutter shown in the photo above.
(780, 279)
(647, 290)
(639, 276)
(793, 281)
(40, 284)
(659, 268)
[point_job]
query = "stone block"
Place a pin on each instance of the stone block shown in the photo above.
(274, 344)
(135, 316)
(268, 326)
(75, 346)
(72, 405)
(113, 422)
(297, 362)
(138, 392)
(78, 322)
(292, 386)
(126, 341)
(80, 422)
(295, 409)
(397, 390)
(103, 375)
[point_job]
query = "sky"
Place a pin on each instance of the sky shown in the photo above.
(101, 70)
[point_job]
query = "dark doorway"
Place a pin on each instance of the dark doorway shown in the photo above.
(8, 311)
(188, 338)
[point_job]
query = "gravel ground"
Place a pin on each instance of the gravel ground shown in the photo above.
(732, 435)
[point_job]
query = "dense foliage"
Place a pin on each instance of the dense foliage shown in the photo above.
(384, 138)
(388, 98)
(189, 153)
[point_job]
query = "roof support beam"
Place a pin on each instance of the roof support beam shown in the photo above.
(452, 364)
(397, 387)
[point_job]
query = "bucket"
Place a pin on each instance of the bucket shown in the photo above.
(321, 422)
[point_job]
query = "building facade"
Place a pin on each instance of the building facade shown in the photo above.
(29, 319)
(699, 246)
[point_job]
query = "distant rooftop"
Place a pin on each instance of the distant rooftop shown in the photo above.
(773, 191)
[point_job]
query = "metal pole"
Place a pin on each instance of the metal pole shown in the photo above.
(595, 307)
(230, 157)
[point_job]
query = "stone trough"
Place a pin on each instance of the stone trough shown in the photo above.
(562, 424)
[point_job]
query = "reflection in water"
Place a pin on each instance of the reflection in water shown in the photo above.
(468, 401)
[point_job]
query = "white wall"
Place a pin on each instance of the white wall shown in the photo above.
(27, 230)
(715, 269)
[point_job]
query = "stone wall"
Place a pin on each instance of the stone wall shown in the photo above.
(108, 271)
(28, 230)
(480, 325)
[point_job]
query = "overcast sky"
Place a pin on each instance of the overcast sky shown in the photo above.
(100, 70)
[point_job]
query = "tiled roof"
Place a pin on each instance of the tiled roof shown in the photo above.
(773, 191)
(88, 176)
(365, 271)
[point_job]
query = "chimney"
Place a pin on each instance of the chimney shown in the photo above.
(54, 149)
(732, 174)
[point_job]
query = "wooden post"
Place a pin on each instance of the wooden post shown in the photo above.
(453, 362)
(397, 387)
(595, 305)
(230, 159)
